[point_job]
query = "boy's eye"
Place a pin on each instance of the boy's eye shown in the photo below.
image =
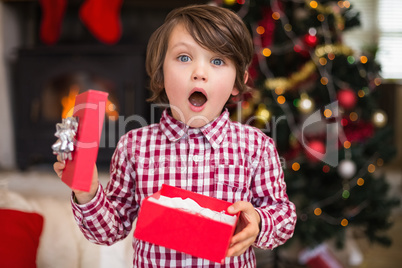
(184, 58)
(217, 62)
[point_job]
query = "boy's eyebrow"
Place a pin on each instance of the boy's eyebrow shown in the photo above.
(190, 45)
(181, 43)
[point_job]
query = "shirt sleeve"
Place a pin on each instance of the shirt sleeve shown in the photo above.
(278, 214)
(108, 217)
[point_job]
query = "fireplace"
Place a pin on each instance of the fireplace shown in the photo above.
(47, 81)
(47, 77)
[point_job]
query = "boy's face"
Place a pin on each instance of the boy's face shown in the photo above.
(198, 82)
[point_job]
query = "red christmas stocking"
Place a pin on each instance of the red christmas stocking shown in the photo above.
(53, 12)
(102, 18)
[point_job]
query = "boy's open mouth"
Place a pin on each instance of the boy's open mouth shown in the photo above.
(197, 99)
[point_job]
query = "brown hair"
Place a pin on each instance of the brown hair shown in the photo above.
(214, 28)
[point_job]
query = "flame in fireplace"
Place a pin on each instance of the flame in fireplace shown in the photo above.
(111, 111)
(68, 103)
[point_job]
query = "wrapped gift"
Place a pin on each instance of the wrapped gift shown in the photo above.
(89, 112)
(183, 230)
(319, 257)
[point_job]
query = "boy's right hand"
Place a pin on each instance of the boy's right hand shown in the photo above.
(81, 196)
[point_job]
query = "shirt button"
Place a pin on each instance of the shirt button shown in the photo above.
(196, 158)
(264, 239)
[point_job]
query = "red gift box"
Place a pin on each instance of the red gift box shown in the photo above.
(90, 110)
(185, 231)
(319, 257)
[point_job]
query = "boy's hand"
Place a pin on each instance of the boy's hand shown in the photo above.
(81, 196)
(247, 228)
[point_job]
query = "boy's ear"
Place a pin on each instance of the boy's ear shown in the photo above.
(235, 91)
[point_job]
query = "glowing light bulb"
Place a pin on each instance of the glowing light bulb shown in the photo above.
(276, 15)
(266, 52)
(323, 61)
(306, 105)
(379, 118)
(229, 2)
(295, 166)
(320, 17)
(324, 81)
(317, 211)
(347, 144)
(353, 116)
(371, 168)
(380, 162)
(260, 30)
(312, 31)
(351, 59)
(287, 27)
(344, 122)
(279, 90)
(281, 99)
(313, 4)
(325, 169)
(327, 113)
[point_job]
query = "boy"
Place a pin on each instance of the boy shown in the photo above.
(196, 60)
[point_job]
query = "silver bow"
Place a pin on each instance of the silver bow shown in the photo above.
(65, 131)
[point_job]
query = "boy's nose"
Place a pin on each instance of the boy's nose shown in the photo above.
(200, 74)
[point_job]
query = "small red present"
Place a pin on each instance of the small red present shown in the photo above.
(185, 231)
(89, 109)
(319, 257)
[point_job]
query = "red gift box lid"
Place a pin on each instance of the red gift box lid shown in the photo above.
(89, 108)
(183, 231)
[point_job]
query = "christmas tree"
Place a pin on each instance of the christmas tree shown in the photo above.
(317, 99)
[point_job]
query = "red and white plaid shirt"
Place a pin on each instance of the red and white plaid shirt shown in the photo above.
(224, 159)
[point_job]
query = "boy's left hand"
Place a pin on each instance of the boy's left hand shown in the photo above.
(247, 229)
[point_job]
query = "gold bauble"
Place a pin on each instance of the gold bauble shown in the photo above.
(262, 116)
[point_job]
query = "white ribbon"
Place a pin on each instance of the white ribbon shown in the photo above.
(65, 131)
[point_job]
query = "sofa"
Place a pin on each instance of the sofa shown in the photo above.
(38, 229)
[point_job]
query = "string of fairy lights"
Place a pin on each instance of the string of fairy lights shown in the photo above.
(321, 60)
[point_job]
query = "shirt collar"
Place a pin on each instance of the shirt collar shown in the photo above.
(214, 131)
